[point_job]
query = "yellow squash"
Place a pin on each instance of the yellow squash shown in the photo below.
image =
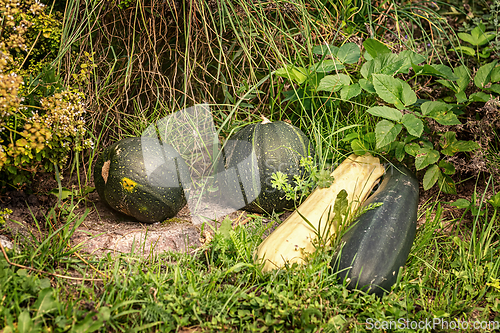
(294, 238)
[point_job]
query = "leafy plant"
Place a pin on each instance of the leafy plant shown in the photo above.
(478, 37)
(404, 129)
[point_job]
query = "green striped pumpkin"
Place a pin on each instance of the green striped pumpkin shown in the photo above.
(141, 177)
(254, 153)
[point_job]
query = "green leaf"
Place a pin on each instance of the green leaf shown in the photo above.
(393, 90)
(350, 91)
(413, 125)
(463, 75)
(333, 83)
(349, 53)
(461, 97)
(494, 88)
(328, 50)
(386, 132)
(448, 168)
(400, 151)
(461, 203)
(409, 57)
(467, 38)
(480, 36)
(412, 148)
(431, 177)
(483, 74)
(479, 97)
(367, 86)
(440, 112)
(359, 147)
(465, 50)
(445, 71)
(296, 74)
(451, 145)
(448, 84)
(325, 66)
(225, 227)
(425, 70)
(46, 301)
(495, 74)
(446, 184)
(24, 322)
(385, 112)
(375, 48)
(426, 157)
(495, 200)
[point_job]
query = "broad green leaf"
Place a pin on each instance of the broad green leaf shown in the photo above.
(409, 57)
(385, 112)
(413, 125)
(375, 48)
(333, 83)
(448, 168)
(461, 97)
(495, 200)
(448, 84)
(400, 151)
(425, 70)
(46, 301)
(426, 157)
(349, 53)
(350, 91)
(463, 75)
(467, 38)
(325, 66)
(329, 50)
(446, 184)
(393, 90)
(461, 203)
(445, 71)
(465, 50)
(480, 35)
(389, 63)
(460, 146)
(495, 74)
(494, 88)
(412, 148)
(359, 147)
(386, 132)
(367, 86)
(440, 112)
(225, 227)
(479, 97)
(369, 68)
(483, 74)
(24, 322)
(296, 74)
(451, 145)
(431, 177)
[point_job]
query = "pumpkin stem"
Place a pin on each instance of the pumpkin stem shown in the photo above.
(265, 120)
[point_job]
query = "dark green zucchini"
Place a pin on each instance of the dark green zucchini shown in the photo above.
(379, 242)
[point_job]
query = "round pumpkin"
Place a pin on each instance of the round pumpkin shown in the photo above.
(142, 177)
(253, 154)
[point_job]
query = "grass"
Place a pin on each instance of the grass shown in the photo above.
(224, 53)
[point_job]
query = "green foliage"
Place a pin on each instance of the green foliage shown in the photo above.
(302, 185)
(41, 122)
(478, 37)
(404, 129)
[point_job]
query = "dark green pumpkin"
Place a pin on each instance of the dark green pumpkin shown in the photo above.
(141, 177)
(379, 241)
(253, 154)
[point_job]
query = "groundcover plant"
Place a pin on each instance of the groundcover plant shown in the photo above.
(409, 83)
